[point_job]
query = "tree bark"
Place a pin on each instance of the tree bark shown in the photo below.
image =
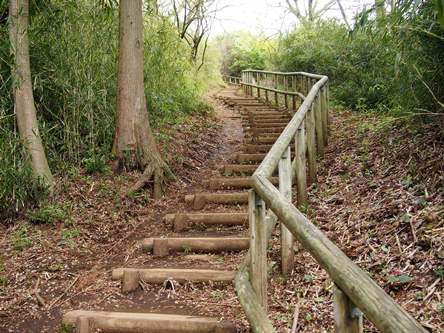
(134, 143)
(23, 95)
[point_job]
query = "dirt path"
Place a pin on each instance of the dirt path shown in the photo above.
(75, 273)
(362, 201)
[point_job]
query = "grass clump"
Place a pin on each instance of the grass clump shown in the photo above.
(48, 214)
(20, 238)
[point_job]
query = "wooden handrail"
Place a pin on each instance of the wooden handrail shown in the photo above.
(354, 289)
(231, 79)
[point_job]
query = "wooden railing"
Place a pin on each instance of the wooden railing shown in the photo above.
(234, 80)
(354, 292)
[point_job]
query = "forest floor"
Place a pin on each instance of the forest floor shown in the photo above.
(379, 197)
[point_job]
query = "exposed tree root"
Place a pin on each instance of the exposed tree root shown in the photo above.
(156, 170)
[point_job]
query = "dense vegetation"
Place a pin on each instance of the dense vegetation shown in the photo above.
(73, 50)
(389, 64)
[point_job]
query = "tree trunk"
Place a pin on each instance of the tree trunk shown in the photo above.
(134, 143)
(23, 95)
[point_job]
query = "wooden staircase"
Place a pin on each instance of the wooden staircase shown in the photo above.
(262, 125)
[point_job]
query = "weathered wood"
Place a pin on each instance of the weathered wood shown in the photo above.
(185, 221)
(207, 244)
(230, 169)
(324, 109)
(317, 111)
(130, 280)
(311, 146)
(160, 275)
(247, 158)
(348, 318)
(83, 325)
(258, 247)
(256, 314)
(161, 247)
(373, 301)
(287, 253)
(300, 167)
(269, 164)
(148, 322)
(232, 182)
(200, 200)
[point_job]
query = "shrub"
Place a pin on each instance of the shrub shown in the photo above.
(73, 50)
(48, 214)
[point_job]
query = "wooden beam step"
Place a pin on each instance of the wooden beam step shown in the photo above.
(126, 322)
(131, 277)
(270, 124)
(260, 148)
(230, 169)
(262, 140)
(264, 130)
(266, 122)
(184, 221)
(248, 158)
(162, 246)
(266, 135)
(259, 114)
(232, 183)
(200, 200)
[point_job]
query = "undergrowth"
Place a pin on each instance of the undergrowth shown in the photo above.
(73, 50)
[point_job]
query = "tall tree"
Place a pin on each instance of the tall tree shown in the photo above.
(193, 19)
(23, 95)
(134, 143)
(309, 12)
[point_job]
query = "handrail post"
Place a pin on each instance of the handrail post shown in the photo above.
(324, 112)
(348, 318)
(317, 108)
(311, 145)
(301, 167)
(287, 239)
(258, 246)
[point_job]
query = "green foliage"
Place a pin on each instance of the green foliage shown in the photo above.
(243, 51)
(400, 279)
(48, 214)
(20, 238)
(18, 187)
(73, 50)
(387, 67)
(69, 236)
(95, 164)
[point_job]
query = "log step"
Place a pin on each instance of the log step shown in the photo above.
(270, 124)
(257, 148)
(248, 158)
(184, 221)
(124, 322)
(266, 117)
(263, 140)
(231, 169)
(265, 130)
(265, 135)
(232, 183)
(131, 277)
(200, 200)
(265, 122)
(161, 247)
